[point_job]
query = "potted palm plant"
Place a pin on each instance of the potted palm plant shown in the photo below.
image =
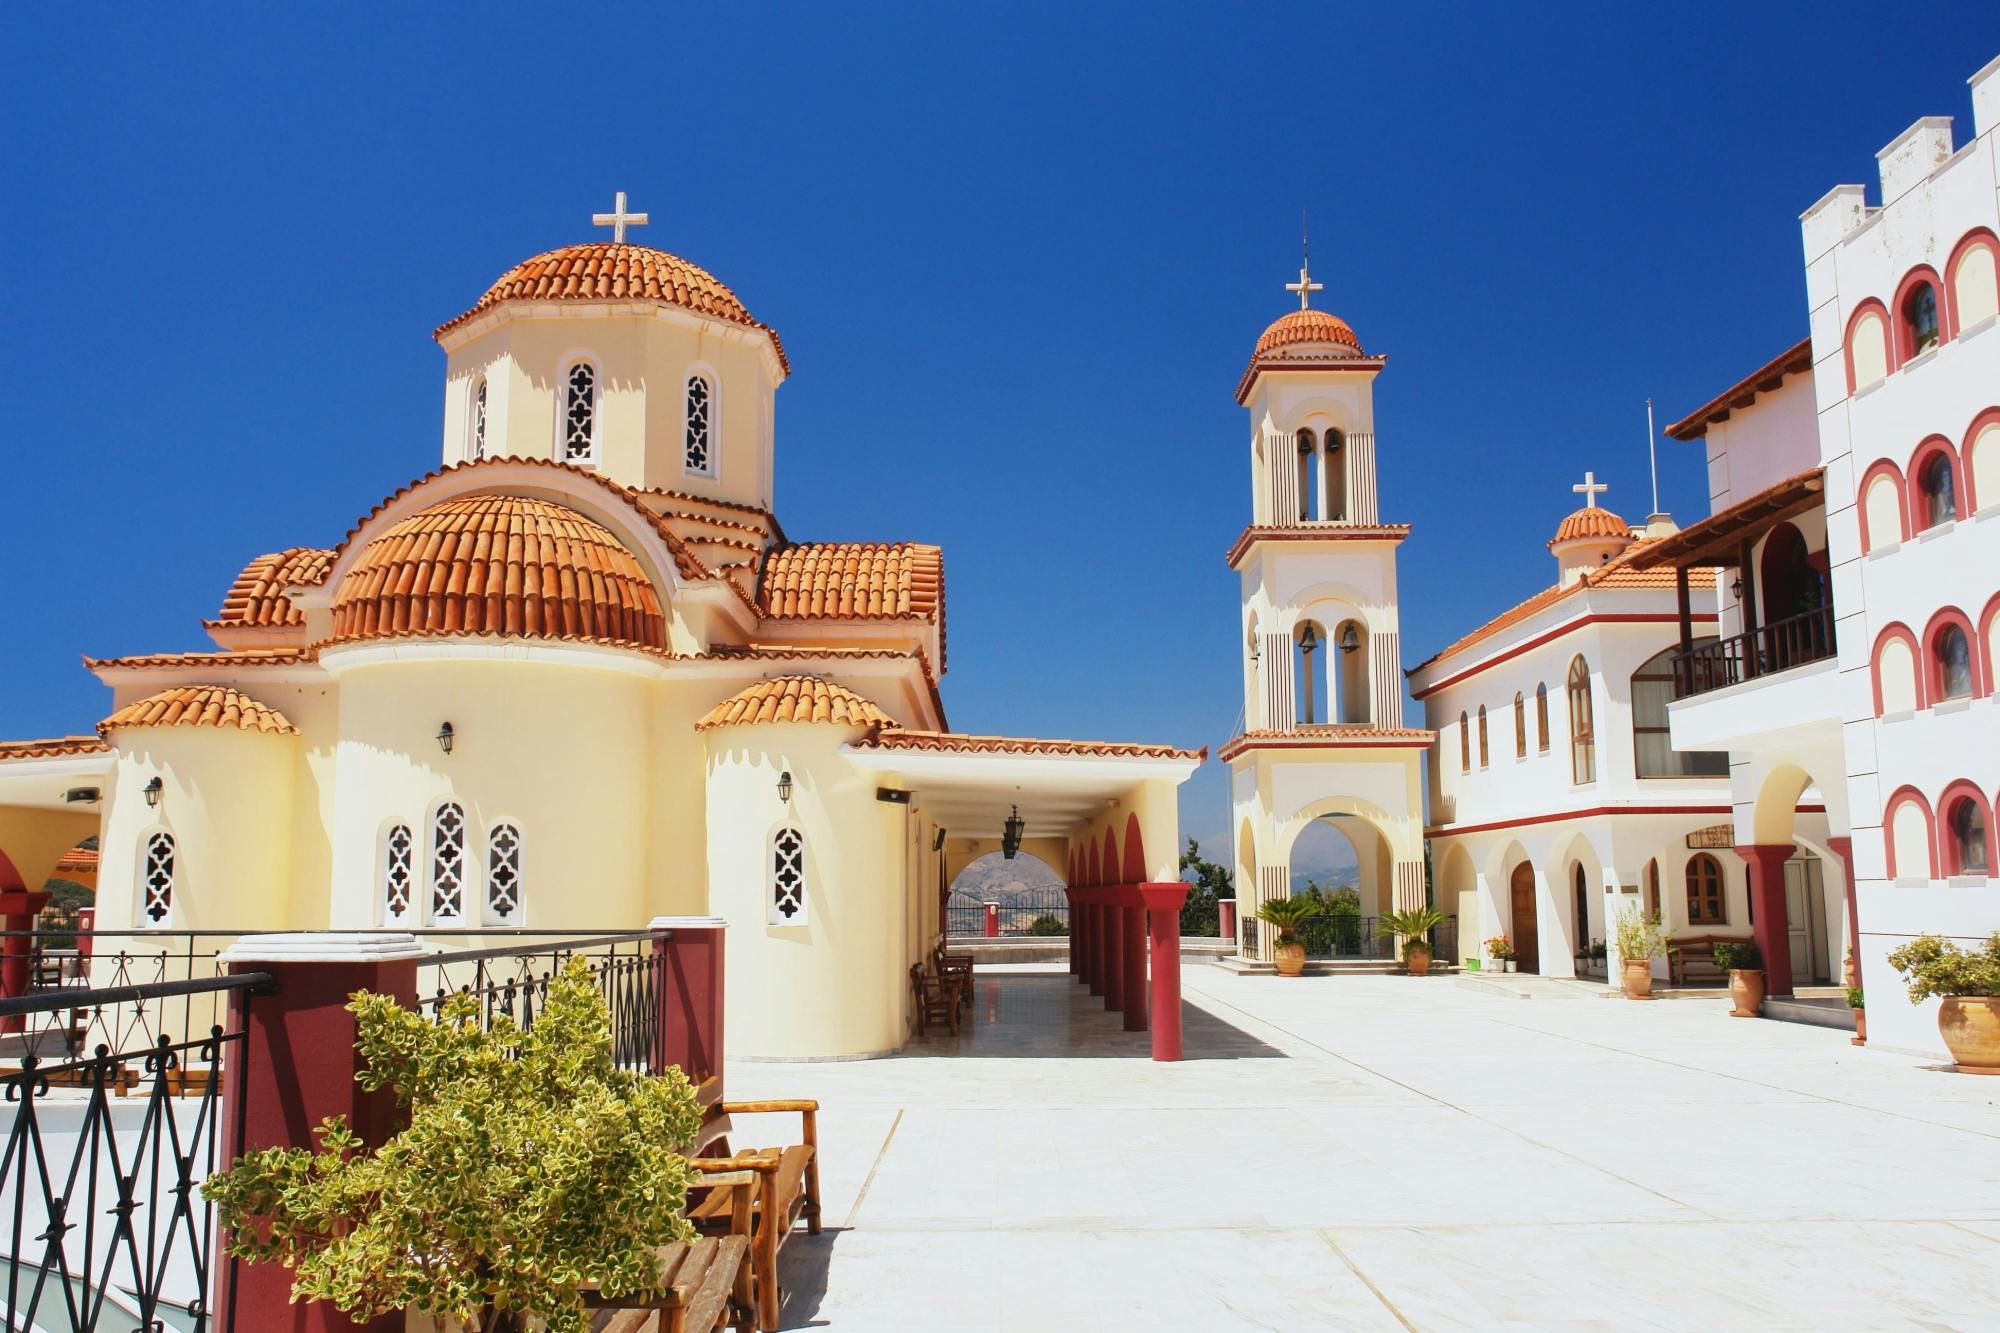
(1641, 939)
(1415, 926)
(1288, 914)
(1744, 962)
(1968, 982)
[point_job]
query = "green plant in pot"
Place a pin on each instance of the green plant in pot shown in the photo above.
(1288, 914)
(1744, 962)
(529, 1169)
(1967, 981)
(1640, 939)
(1858, 1003)
(1414, 926)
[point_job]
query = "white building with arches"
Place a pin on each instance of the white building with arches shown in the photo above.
(1323, 735)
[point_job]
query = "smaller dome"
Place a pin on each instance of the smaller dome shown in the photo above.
(200, 706)
(795, 699)
(1306, 326)
(1594, 524)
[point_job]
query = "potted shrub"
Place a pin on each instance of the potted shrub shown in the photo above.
(1855, 1002)
(1501, 950)
(1745, 964)
(1288, 914)
(1641, 939)
(529, 1170)
(1968, 981)
(1415, 926)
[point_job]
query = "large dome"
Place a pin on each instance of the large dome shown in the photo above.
(1306, 326)
(498, 564)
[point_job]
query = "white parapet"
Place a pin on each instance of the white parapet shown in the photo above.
(324, 946)
(1913, 155)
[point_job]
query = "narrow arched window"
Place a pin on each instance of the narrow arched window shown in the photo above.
(1953, 653)
(1966, 836)
(1520, 726)
(448, 863)
(788, 878)
(1936, 484)
(1704, 891)
(479, 419)
(503, 873)
(156, 880)
(1920, 319)
(1308, 450)
(700, 456)
(1582, 728)
(1482, 735)
(1335, 463)
(398, 873)
(1542, 718)
(1464, 743)
(580, 413)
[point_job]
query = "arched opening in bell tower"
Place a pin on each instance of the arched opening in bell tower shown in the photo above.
(1308, 488)
(1312, 677)
(1333, 466)
(1350, 670)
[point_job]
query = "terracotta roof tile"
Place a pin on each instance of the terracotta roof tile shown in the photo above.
(56, 747)
(956, 742)
(1590, 521)
(498, 564)
(241, 658)
(854, 581)
(795, 699)
(257, 596)
(1328, 734)
(200, 706)
(1306, 326)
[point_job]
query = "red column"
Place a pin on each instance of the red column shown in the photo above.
(1766, 865)
(1097, 948)
(18, 909)
(1844, 849)
(1163, 918)
(689, 1032)
(1132, 927)
(1114, 957)
(296, 1066)
(1226, 909)
(992, 920)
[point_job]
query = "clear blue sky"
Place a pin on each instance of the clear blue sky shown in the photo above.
(1018, 257)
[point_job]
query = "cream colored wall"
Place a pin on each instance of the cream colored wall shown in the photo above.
(1156, 803)
(834, 986)
(35, 839)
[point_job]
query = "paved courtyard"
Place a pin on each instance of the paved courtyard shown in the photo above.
(1392, 1152)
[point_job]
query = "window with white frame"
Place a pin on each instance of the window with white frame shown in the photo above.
(448, 863)
(700, 456)
(579, 443)
(788, 878)
(479, 418)
(156, 880)
(399, 855)
(503, 873)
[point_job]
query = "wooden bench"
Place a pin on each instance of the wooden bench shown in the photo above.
(937, 999)
(958, 967)
(1698, 951)
(707, 1281)
(787, 1189)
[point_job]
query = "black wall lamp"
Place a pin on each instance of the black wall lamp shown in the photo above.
(1010, 834)
(152, 789)
(785, 786)
(445, 737)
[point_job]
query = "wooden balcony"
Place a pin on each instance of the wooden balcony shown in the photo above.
(1766, 651)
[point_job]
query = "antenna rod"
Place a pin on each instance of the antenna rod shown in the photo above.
(1653, 455)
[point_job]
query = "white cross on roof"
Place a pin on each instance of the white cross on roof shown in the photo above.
(1305, 287)
(1590, 488)
(618, 219)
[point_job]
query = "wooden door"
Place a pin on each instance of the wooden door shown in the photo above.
(1805, 919)
(1527, 935)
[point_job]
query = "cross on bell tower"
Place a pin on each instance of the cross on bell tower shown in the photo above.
(618, 219)
(1590, 488)
(1305, 286)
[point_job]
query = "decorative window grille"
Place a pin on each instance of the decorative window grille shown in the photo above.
(448, 863)
(580, 414)
(398, 872)
(788, 878)
(699, 396)
(503, 872)
(479, 420)
(158, 881)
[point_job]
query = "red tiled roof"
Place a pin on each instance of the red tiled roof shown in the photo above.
(498, 564)
(1329, 734)
(200, 706)
(1590, 521)
(55, 747)
(854, 581)
(1767, 377)
(955, 742)
(244, 657)
(257, 596)
(794, 699)
(1305, 326)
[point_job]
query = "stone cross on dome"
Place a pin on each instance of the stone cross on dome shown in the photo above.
(1305, 286)
(618, 219)
(1590, 488)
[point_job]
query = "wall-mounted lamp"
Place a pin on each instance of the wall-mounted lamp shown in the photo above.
(785, 786)
(152, 789)
(1736, 588)
(445, 737)
(1349, 640)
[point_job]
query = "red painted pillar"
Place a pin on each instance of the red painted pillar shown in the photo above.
(1114, 958)
(1163, 917)
(992, 920)
(1226, 910)
(1097, 953)
(689, 1032)
(1766, 865)
(296, 1066)
(1132, 929)
(18, 909)
(1844, 849)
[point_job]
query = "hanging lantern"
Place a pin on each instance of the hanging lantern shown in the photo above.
(1010, 835)
(1349, 640)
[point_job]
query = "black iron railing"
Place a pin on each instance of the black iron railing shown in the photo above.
(104, 1158)
(66, 966)
(513, 979)
(1249, 926)
(1343, 936)
(1778, 646)
(1042, 911)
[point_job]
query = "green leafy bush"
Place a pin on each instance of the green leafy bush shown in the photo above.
(1855, 1000)
(1933, 965)
(1048, 924)
(530, 1168)
(1739, 956)
(1641, 936)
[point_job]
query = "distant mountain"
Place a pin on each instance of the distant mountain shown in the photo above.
(1021, 882)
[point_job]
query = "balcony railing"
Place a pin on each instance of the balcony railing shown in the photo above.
(1778, 646)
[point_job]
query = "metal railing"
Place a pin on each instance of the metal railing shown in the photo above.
(99, 962)
(104, 1156)
(1778, 646)
(513, 979)
(1343, 936)
(1043, 911)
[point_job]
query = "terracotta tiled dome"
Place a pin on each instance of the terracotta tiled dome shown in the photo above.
(795, 699)
(1592, 522)
(200, 706)
(499, 564)
(1306, 326)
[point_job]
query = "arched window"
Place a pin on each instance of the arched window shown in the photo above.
(1908, 828)
(448, 863)
(503, 874)
(1482, 735)
(1653, 752)
(1937, 491)
(1582, 725)
(398, 873)
(1951, 657)
(1520, 726)
(1981, 461)
(1464, 742)
(1966, 851)
(479, 418)
(1882, 509)
(156, 880)
(1335, 463)
(1920, 320)
(1895, 670)
(580, 413)
(1308, 488)
(1704, 890)
(1974, 275)
(788, 878)
(1542, 717)
(1867, 348)
(700, 458)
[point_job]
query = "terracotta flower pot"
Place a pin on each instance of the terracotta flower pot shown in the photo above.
(1291, 956)
(1418, 960)
(1860, 1037)
(1970, 1025)
(1746, 992)
(1638, 976)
